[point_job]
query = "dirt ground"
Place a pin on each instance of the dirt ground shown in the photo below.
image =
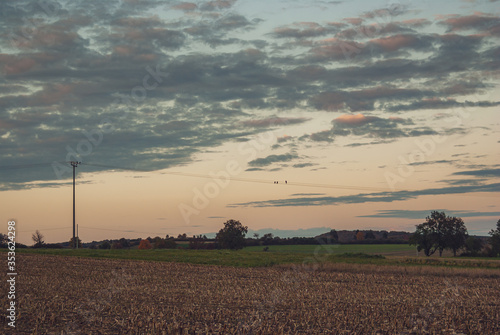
(63, 295)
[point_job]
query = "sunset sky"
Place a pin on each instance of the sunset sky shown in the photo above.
(186, 114)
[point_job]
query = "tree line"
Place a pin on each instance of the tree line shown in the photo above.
(440, 232)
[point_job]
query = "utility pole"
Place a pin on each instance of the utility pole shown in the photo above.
(74, 165)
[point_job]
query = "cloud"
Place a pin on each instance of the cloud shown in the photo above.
(284, 138)
(322, 136)
(422, 214)
(224, 76)
(486, 24)
(418, 23)
(358, 44)
(16, 66)
(371, 127)
(217, 5)
(185, 6)
(308, 72)
(214, 31)
(302, 165)
(441, 161)
(274, 121)
(259, 162)
(492, 173)
(354, 120)
(302, 30)
(391, 11)
(368, 31)
(380, 197)
(397, 42)
(436, 103)
(362, 100)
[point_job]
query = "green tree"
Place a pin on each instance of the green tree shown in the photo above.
(426, 236)
(125, 243)
(72, 243)
(267, 238)
(170, 243)
(439, 232)
(495, 240)
(199, 243)
(334, 235)
(454, 234)
(369, 235)
(232, 236)
(159, 243)
(473, 245)
(105, 245)
(37, 237)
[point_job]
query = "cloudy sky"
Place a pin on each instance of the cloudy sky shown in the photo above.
(287, 114)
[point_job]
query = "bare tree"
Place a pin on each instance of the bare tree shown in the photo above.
(38, 239)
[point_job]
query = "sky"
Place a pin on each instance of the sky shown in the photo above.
(283, 114)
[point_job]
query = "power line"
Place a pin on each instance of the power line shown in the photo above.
(96, 228)
(267, 181)
(197, 175)
(124, 231)
(127, 231)
(247, 180)
(59, 228)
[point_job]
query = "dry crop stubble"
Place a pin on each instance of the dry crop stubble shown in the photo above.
(67, 295)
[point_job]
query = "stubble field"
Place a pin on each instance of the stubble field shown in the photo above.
(69, 295)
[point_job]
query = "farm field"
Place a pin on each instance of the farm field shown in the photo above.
(238, 258)
(380, 249)
(77, 295)
(255, 257)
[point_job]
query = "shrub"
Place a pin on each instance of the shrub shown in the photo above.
(145, 244)
(105, 245)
